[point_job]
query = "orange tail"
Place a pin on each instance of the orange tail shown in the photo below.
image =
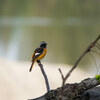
(32, 66)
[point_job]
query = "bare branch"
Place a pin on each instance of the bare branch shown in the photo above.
(88, 49)
(61, 74)
(83, 54)
(44, 74)
(71, 91)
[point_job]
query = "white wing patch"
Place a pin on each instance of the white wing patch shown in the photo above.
(37, 54)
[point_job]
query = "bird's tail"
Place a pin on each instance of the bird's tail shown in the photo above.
(32, 65)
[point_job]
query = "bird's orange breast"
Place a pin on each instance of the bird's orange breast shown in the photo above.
(43, 54)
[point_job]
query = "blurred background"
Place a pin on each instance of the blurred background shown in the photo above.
(68, 27)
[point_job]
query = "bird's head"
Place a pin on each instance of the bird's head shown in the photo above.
(43, 44)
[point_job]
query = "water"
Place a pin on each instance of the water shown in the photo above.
(67, 38)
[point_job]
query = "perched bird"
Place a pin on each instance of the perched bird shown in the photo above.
(39, 53)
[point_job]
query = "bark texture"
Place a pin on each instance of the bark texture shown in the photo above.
(85, 90)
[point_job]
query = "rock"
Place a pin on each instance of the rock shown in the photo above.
(91, 94)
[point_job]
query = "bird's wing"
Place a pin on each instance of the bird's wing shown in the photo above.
(37, 53)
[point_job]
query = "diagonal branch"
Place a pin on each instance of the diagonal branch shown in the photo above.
(84, 53)
(88, 49)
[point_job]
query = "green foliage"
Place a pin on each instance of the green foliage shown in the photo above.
(97, 77)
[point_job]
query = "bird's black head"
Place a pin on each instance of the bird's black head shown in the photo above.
(43, 44)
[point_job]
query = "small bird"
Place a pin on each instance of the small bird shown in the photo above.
(39, 53)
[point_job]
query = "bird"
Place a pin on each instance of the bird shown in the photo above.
(39, 53)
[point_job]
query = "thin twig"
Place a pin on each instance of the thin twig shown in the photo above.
(96, 52)
(61, 74)
(97, 46)
(75, 65)
(44, 74)
(94, 61)
(62, 89)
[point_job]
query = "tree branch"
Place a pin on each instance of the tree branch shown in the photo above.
(88, 49)
(44, 74)
(71, 91)
(84, 53)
